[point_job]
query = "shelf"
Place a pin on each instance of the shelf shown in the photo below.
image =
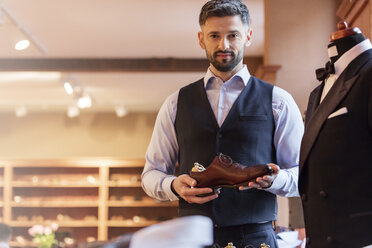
(54, 185)
(98, 196)
(141, 204)
(26, 243)
(124, 184)
(72, 223)
(76, 162)
(59, 204)
(129, 223)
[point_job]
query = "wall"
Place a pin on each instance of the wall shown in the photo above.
(297, 35)
(54, 135)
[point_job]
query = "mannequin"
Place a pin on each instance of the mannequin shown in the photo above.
(335, 156)
(343, 40)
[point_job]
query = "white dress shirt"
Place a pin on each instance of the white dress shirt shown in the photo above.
(162, 153)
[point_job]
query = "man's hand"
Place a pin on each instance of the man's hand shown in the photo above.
(263, 182)
(184, 186)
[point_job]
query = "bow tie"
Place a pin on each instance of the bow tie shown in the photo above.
(322, 73)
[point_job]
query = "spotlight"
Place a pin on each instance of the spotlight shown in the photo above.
(85, 101)
(24, 43)
(121, 111)
(21, 45)
(68, 88)
(73, 111)
(21, 111)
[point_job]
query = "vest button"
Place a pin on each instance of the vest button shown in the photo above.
(308, 240)
(323, 194)
(220, 135)
(329, 239)
(303, 197)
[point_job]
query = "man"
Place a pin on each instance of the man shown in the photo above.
(231, 112)
(5, 235)
(336, 151)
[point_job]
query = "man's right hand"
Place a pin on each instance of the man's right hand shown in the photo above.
(184, 186)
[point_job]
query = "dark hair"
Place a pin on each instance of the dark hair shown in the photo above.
(5, 232)
(221, 8)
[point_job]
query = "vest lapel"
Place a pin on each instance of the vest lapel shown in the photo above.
(205, 102)
(336, 94)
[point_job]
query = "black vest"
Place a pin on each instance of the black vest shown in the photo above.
(246, 135)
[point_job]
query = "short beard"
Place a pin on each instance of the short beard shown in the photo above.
(225, 66)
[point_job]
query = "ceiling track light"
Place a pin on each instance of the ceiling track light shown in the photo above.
(76, 89)
(84, 101)
(73, 111)
(68, 87)
(21, 111)
(71, 84)
(30, 37)
(22, 44)
(121, 111)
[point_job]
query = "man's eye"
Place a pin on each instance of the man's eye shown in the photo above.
(233, 35)
(213, 36)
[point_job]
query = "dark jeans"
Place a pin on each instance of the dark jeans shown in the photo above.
(245, 236)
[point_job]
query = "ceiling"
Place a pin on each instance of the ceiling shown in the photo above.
(104, 29)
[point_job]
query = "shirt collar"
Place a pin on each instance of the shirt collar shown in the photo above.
(242, 75)
(350, 55)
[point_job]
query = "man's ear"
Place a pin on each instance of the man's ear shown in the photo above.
(201, 39)
(249, 38)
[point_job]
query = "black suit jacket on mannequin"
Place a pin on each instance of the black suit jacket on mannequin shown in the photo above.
(336, 161)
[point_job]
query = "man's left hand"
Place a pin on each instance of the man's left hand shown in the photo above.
(263, 182)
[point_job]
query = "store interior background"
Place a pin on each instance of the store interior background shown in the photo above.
(291, 33)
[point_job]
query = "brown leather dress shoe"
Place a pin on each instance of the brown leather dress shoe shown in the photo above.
(224, 172)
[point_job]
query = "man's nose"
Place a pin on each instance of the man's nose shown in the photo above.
(223, 44)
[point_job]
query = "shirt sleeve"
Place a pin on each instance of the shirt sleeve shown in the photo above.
(289, 129)
(162, 154)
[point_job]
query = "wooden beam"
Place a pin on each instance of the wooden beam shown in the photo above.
(350, 10)
(102, 65)
(111, 64)
(344, 9)
(268, 73)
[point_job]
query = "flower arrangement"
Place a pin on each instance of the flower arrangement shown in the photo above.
(44, 236)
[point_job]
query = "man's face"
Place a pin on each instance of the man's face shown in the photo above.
(224, 40)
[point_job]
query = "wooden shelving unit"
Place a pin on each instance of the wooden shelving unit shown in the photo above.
(99, 198)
